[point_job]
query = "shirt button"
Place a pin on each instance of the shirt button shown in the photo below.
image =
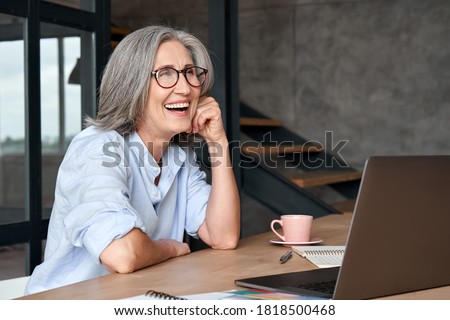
(155, 169)
(155, 193)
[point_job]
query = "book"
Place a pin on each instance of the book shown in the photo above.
(322, 256)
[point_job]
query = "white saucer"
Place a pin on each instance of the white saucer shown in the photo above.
(294, 243)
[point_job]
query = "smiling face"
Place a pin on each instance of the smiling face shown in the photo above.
(169, 111)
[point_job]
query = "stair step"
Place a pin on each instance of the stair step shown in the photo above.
(118, 31)
(260, 122)
(320, 178)
(257, 149)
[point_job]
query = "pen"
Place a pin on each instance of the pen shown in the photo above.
(286, 256)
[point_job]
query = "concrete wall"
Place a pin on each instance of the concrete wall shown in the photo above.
(376, 73)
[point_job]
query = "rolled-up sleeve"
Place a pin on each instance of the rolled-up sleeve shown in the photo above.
(98, 199)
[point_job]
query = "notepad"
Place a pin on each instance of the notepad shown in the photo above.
(322, 256)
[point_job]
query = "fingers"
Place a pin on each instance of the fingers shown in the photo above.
(179, 248)
(207, 120)
(203, 116)
(205, 110)
(183, 249)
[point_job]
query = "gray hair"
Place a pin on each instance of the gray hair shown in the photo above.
(126, 78)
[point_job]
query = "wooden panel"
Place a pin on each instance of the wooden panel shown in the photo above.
(117, 34)
(249, 150)
(260, 122)
(118, 31)
(319, 178)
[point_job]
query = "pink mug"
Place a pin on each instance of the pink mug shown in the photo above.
(296, 228)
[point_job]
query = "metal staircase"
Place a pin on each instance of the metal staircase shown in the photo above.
(278, 168)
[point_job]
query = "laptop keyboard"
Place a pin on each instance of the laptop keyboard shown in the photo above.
(323, 286)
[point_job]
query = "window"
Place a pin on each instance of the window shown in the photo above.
(43, 96)
(12, 119)
(61, 116)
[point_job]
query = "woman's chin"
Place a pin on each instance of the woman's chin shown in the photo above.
(182, 129)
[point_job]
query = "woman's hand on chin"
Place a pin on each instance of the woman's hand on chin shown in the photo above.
(207, 120)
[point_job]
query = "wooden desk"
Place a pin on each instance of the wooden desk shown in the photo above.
(215, 270)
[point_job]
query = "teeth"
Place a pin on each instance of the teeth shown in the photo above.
(177, 105)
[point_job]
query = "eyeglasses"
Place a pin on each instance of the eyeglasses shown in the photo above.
(167, 77)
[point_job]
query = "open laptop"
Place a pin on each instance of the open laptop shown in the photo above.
(399, 236)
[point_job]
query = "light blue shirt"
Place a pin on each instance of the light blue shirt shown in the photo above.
(105, 187)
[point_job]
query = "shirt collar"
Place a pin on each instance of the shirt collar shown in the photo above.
(173, 158)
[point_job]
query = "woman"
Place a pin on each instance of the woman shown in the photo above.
(125, 192)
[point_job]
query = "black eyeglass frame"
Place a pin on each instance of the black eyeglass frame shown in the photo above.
(183, 71)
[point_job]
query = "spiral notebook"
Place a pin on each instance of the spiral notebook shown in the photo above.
(157, 295)
(322, 256)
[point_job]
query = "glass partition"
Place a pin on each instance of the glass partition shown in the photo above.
(61, 117)
(12, 119)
